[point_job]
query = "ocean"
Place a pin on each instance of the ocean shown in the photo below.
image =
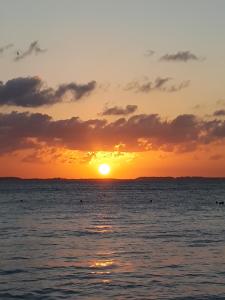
(112, 239)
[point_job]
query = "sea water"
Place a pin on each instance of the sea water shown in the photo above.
(131, 239)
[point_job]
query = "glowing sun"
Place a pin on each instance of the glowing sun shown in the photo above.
(104, 169)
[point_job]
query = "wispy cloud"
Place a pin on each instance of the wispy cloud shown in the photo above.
(160, 84)
(180, 56)
(178, 87)
(147, 86)
(149, 53)
(34, 48)
(220, 102)
(116, 111)
(32, 92)
(216, 157)
(4, 48)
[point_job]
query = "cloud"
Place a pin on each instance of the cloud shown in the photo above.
(4, 48)
(149, 53)
(159, 84)
(220, 102)
(216, 157)
(180, 56)
(77, 90)
(47, 154)
(178, 87)
(26, 92)
(147, 86)
(197, 106)
(116, 111)
(219, 113)
(32, 92)
(34, 48)
(144, 132)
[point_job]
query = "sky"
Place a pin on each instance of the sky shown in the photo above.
(136, 84)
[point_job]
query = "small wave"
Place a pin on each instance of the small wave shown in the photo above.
(24, 296)
(207, 297)
(13, 271)
(19, 258)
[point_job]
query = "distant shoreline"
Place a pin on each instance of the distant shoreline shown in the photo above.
(153, 178)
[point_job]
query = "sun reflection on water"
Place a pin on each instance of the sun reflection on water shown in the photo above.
(101, 264)
(103, 269)
(104, 228)
(106, 280)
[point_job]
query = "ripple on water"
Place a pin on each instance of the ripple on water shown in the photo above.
(116, 245)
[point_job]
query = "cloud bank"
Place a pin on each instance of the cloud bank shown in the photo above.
(144, 132)
(32, 92)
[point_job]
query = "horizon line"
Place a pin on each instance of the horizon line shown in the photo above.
(114, 179)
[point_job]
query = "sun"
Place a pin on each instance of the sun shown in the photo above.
(104, 169)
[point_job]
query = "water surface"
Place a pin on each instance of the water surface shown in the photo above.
(161, 239)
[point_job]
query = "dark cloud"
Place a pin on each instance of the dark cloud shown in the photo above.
(181, 56)
(160, 84)
(219, 113)
(137, 133)
(116, 111)
(77, 90)
(32, 92)
(6, 47)
(26, 92)
(34, 48)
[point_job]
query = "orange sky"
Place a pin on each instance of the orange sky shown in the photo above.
(139, 86)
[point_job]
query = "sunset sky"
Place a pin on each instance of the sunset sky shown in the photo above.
(136, 84)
